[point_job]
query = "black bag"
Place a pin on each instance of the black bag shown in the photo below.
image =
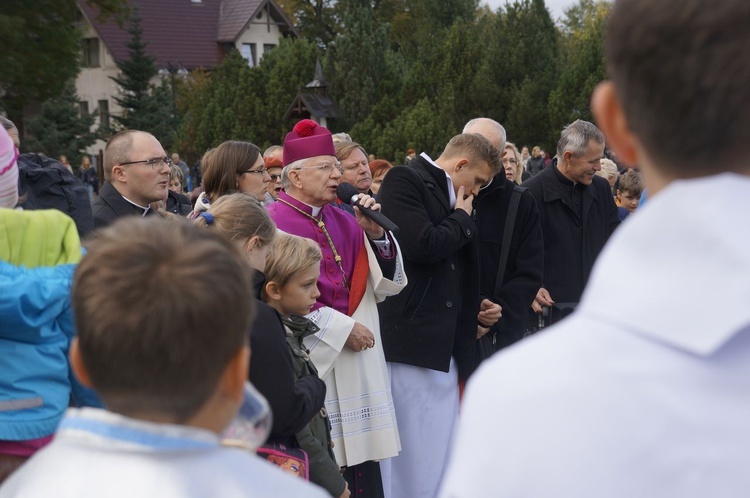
(44, 183)
(487, 344)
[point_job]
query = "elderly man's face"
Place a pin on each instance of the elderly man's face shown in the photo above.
(357, 171)
(274, 188)
(140, 182)
(582, 169)
(316, 182)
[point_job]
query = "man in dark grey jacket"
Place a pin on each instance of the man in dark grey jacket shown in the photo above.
(577, 213)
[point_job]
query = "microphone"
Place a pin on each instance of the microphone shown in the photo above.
(349, 195)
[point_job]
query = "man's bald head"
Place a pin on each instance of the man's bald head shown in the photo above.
(489, 129)
(118, 150)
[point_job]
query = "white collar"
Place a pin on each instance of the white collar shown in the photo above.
(145, 208)
(315, 209)
(678, 269)
(451, 190)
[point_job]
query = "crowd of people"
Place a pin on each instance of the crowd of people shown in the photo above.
(360, 298)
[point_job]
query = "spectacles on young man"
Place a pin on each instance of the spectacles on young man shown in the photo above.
(155, 163)
(326, 168)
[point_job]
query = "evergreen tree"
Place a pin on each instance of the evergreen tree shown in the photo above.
(217, 107)
(358, 61)
(316, 20)
(584, 64)
(280, 76)
(145, 106)
(418, 127)
(460, 74)
(533, 49)
(60, 129)
(40, 49)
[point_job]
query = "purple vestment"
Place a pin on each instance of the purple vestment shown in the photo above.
(347, 238)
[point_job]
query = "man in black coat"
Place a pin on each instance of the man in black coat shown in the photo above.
(524, 268)
(137, 172)
(578, 215)
(429, 330)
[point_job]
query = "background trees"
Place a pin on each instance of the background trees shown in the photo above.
(407, 73)
(39, 49)
(145, 106)
(60, 128)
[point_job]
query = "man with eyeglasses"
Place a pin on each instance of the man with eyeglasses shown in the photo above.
(361, 265)
(136, 170)
(274, 160)
(524, 265)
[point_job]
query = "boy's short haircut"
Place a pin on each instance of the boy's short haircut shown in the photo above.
(630, 182)
(161, 308)
(680, 72)
(289, 255)
(475, 146)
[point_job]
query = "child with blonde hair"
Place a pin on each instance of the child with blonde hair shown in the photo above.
(293, 399)
(292, 271)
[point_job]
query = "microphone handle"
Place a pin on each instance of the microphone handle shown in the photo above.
(377, 217)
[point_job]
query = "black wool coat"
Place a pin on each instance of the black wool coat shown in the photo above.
(110, 206)
(571, 245)
(525, 266)
(435, 316)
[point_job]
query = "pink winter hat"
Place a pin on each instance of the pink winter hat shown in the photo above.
(8, 171)
(307, 139)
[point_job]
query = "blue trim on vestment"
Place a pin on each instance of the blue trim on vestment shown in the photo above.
(133, 435)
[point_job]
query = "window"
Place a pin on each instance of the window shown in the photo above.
(248, 52)
(83, 108)
(267, 47)
(90, 52)
(104, 113)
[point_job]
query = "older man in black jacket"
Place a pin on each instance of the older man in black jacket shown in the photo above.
(429, 330)
(578, 214)
(524, 268)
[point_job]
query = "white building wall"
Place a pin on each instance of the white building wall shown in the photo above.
(260, 32)
(94, 84)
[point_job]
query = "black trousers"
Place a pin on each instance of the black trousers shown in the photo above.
(365, 480)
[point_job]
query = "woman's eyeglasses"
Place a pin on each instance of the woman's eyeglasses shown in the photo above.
(258, 171)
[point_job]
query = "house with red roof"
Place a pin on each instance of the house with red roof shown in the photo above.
(183, 35)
